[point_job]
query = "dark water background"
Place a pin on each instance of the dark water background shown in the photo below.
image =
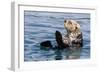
(41, 26)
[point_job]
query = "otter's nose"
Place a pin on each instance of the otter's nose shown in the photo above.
(65, 21)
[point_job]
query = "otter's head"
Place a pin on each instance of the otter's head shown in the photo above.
(71, 26)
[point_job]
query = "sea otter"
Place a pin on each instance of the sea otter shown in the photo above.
(73, 35)
(72, 39)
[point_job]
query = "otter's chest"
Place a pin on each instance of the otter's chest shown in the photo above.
(73, 37)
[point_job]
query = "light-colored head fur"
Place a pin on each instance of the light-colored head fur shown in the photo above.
(71, 26)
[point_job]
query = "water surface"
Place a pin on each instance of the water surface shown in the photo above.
(41, 26)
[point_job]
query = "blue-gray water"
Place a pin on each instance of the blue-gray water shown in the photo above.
(41, 26)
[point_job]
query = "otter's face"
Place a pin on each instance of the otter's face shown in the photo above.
(71, 25)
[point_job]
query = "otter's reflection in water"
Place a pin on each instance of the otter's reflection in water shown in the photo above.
(68, 53)
(74, 53)
(58, 55)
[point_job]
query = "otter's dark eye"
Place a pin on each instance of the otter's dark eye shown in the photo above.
(64, 21)
(76, 28)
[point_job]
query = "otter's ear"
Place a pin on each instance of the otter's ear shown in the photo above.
(64, 21)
